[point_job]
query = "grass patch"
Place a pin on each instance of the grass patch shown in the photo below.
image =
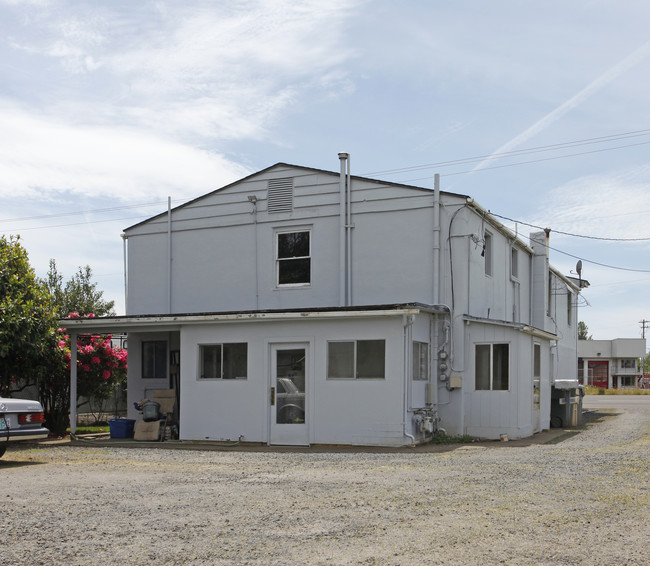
(91, 429)
(592, 390)
(443, 438)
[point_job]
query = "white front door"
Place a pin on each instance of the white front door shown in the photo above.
(288, 394)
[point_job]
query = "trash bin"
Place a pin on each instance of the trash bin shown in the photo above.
(150, 411)
(121, 428)
(566, 403)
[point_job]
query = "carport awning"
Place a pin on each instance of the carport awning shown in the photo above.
(135, 323)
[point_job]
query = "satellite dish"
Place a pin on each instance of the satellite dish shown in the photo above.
(579, 267)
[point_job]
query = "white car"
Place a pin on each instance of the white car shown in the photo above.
(291, 402)
(20, 420)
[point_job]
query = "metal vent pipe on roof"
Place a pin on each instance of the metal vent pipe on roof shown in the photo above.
(343, 266)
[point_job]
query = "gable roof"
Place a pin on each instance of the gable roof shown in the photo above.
(289, 165)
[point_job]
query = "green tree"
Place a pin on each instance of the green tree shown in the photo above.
(583, 332)
(79, 294)
(27, 319)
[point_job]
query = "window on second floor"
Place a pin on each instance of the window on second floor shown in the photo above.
(487, 253)
(293, 258)
(514, 263)
(537, 360)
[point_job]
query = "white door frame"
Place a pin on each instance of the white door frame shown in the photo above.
(289, 434)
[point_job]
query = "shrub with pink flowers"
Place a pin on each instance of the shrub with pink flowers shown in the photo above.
(101, 369)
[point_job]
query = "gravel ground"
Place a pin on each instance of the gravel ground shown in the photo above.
(583, 499)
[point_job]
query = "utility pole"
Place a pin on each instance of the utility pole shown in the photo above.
(643, 324)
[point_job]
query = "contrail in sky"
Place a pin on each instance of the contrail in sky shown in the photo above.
(604, 79)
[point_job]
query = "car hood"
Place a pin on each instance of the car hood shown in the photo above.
(19, 406)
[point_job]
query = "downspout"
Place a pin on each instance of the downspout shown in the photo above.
(73, 383)
(253, 200)
(431, 395)
(407, 322)
(348, 235)
(342, 231)
(126, 280)
(436, 239)
(169, 255)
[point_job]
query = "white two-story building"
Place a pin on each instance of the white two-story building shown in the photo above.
(301, 306)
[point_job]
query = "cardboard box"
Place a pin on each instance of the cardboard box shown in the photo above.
(147, 431)
(166, 398)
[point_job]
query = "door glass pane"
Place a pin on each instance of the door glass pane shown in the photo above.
(290, 386)
(500, 362)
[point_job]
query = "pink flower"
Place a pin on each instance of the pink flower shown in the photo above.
(88, 349)
(85, 367)
(95, 360)
(106, 374)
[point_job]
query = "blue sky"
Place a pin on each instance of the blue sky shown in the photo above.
(108, 108)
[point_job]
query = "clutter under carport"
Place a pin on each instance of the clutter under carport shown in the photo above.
(157, 416)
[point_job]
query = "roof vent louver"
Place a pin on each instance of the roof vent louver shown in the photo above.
(280, 195)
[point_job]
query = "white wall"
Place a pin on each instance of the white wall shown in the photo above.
(338, 411)
(220, 249)
(489, 414)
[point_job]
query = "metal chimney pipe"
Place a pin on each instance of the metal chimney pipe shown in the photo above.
(343, 157)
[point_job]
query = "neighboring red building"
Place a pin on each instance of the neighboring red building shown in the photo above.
(611, 363)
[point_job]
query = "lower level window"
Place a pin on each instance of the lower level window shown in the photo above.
(357, 359)
(154, 359)
(224, 361)
(492, 367)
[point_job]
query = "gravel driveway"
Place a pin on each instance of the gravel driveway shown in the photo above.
(581, 500)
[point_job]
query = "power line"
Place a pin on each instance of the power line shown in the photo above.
(598, 263)
(570, 234)
(74, 224)
(547, 159)
(78, 212)
(519, 152)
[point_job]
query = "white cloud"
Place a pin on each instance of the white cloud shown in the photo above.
(202, 69)
(614, 205)
(39, 154)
